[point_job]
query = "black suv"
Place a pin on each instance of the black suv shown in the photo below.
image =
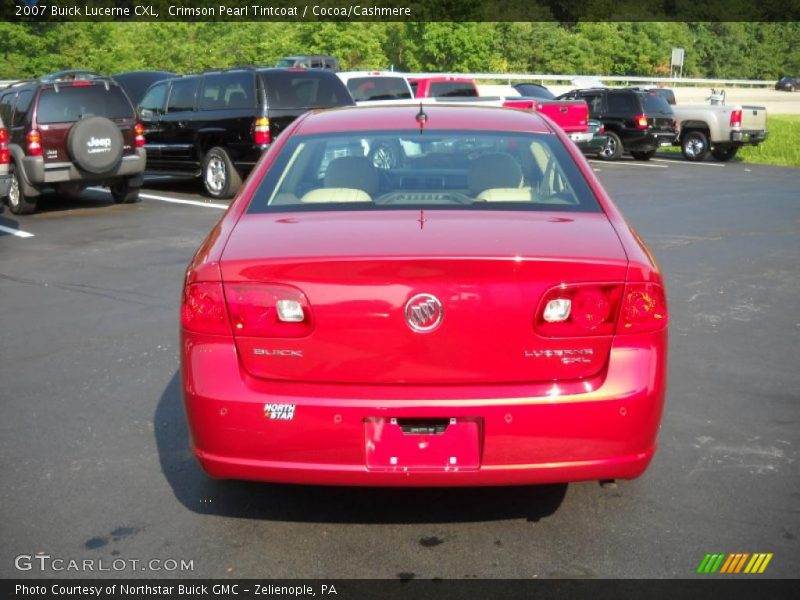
(67, 131)
(635, 121)
(788, 84)
(215, 125)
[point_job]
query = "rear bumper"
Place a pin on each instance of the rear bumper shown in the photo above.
(581, 137)
(746, 137)
(39, 172)
(595, 145)
(5, 183)
(648, 141)
(530, 434)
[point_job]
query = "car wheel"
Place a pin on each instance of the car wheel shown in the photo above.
(18, 202)
(724, 153)
(220, 176)
(386, 156)
(613, 148)
(694, 145)
(123, 192)
(643, 155)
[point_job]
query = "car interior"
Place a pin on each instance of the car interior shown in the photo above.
(434, 171)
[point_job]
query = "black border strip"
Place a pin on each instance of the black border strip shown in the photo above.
(565, 11)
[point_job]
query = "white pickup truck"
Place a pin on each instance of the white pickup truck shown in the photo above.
(722, 130)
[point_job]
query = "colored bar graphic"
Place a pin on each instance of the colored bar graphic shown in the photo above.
(727, 564)
(765, 563)
(741, 562)
(703, 563)
(734, 563)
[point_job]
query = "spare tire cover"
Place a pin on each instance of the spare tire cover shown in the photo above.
(95, 144)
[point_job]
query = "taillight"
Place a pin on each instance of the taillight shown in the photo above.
(268, 310)
(261, 134)
(644, 308)
(203, 309)
(4, 154)
(138, 131)
(597, 309)
(641, 121)
(579, 310)
(736, 118)
(602, 130)
(34, 143)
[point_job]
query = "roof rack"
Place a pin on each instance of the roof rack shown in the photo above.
(70, 75)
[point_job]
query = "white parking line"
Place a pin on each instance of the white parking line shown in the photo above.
(182, 201)
(688, 162)
(16, 232)
(626, 164)
(171, 199)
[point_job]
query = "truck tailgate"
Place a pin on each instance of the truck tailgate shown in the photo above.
(754, 118)
(571, 115)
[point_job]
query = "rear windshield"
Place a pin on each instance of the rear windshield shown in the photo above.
(304, 89)
(384, 170)
(534, 91)
(655, 102)
(285, 63)
(71, 103)
(378, 88)
(450, 89)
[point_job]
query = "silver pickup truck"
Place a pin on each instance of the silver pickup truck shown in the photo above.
(722, 130)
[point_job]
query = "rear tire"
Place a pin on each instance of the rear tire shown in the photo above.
(18, 202)
(694, 145)
(643, 155)
(124, 192)
(724, 154)
(220, 177)
(613, 148)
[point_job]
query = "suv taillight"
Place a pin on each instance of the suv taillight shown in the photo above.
(598, 309)
(34, 140)
(268, 310)
(736, 118)
(5, 157)
(641, 121)
(261, 134)
(138, 131)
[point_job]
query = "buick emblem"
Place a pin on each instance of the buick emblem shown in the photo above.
(424, 313)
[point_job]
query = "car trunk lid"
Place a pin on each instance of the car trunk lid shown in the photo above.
(358, 271)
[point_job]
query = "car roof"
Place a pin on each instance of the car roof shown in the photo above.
(404, 116)
(348, 74)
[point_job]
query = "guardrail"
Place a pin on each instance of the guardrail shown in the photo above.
(615, 79)
(609, 79)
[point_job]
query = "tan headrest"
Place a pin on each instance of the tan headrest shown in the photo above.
(352, 172)
(493, 171)
(335, 195)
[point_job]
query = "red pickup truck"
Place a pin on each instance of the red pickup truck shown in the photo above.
(443, 87)
(571, 115)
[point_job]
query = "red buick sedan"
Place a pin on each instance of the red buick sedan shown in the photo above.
(437, 298)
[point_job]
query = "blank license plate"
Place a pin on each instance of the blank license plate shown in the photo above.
(422, 445)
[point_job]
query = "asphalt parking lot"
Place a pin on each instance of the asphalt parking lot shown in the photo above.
(94, 457)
